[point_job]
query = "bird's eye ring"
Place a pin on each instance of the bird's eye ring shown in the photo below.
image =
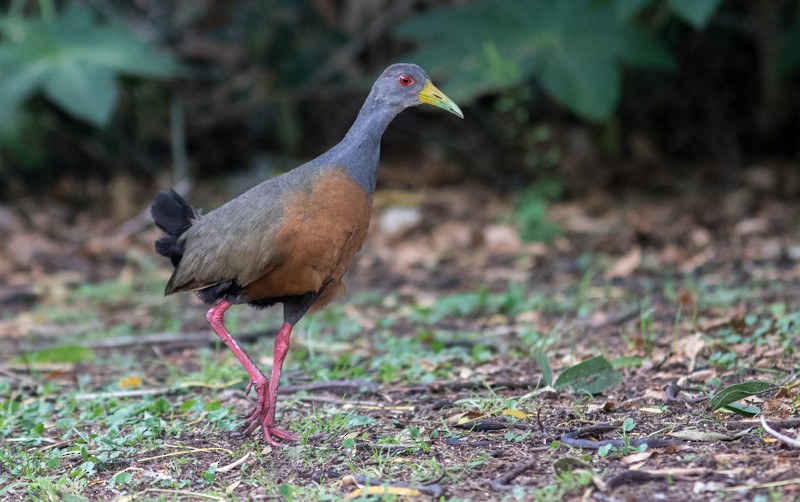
(405, 80)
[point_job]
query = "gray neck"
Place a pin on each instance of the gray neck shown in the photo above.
(360, 149)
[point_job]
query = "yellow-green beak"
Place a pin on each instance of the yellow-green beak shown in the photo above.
(430, 95)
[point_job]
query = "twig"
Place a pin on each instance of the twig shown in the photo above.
(22, 440)
(784, 439)
(234, 465)
(746, 424)
(573, 439)
(388, 448)
(158, 391)
(187, 452)
(485, 425)
(288, 389)
(771, 484)
(174, 340)
(343, 386)
(22, 379)
(185, 493)
(336, 400)
(502, 483)
(459, 386)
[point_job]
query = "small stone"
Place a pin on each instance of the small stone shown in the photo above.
(398, 220)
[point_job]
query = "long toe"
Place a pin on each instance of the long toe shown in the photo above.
(260, 411)
(274, 430)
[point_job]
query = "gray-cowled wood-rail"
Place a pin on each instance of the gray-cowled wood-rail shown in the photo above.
(290, 239)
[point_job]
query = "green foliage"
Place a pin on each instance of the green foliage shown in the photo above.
(544, 365)
(789, 57)
(74, 60)
(695, 12)
(592, 376)
(481, 302)
(531, 210)
(62, 354)
(573, 47)
(727, 397)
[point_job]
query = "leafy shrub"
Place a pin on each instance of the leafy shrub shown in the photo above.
(74, 61)
(573, 47)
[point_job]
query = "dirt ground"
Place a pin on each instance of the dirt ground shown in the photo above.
(680, 282)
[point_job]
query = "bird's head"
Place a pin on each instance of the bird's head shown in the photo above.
(405, 85)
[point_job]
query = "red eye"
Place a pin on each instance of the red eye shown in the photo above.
(405, 80)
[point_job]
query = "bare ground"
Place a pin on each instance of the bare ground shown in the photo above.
(683, 283)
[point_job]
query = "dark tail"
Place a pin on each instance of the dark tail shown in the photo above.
(174, 216)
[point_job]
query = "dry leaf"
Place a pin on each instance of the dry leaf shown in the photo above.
(710, 436)
(626, 265)
(383, 490)
(463, 418)
(635, 458)
(689, 347)
(130, 382)
(515, 414)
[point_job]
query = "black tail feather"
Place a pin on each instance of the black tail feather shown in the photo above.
(174, 216)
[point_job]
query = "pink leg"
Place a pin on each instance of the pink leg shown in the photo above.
(281, 349)
(264, 412)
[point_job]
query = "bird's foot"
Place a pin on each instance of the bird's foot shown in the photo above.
(270, 429)
(261, 416)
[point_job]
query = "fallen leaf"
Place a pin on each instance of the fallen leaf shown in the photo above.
(736, 392)
(593, 376)
(656, 411)
(689, 347)
(130, 382)
(515, 413)
(463, 418)
(383, 490)
(707, 436)
(502, 239)
(626, 265)
(637, 457)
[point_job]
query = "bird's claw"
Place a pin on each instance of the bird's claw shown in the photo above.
(273, 430)
(260, 416)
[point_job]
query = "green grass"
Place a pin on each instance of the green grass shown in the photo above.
(60, 443)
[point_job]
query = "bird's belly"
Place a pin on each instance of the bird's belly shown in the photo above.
(322, 230)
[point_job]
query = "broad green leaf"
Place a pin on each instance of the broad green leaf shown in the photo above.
(789, 58)
(625, 9)
(74, 61)
(738, 391)
(644, 51)
(695, 12)
(83, 90)
(593, 376)
(574, 48)
(744, 410)
(544, 365)
(626, 362)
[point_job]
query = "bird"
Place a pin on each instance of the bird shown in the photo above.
(290, 239)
